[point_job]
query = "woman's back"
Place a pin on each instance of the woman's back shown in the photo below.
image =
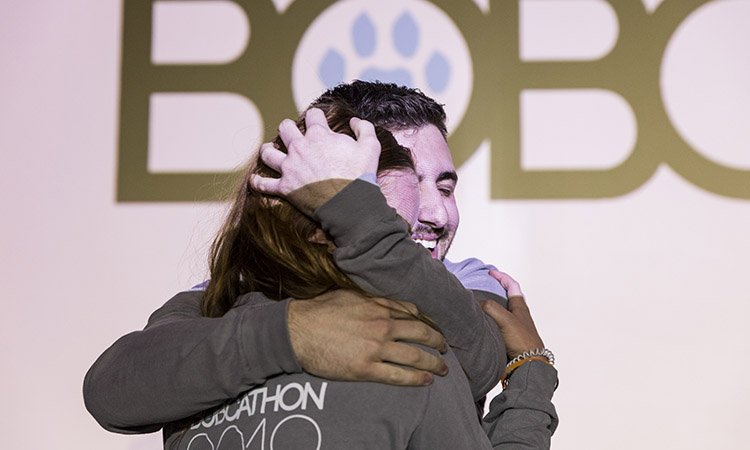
(301, 411)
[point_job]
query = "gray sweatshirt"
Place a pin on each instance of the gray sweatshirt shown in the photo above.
(296, 411)
(195, 363)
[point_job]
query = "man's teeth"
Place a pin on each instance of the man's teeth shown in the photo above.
(429, 245)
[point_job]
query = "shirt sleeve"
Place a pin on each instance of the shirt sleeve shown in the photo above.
(182, 363)
(522, 416)
(374, 249)
(475, 275)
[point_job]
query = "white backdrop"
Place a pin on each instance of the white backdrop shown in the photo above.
(642, 297)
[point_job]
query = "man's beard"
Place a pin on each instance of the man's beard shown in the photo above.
(436, 241)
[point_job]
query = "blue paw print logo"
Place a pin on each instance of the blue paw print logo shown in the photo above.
(405, 39)
(412, 43)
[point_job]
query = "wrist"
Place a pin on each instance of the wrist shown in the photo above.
(312, 196)
(538, 354)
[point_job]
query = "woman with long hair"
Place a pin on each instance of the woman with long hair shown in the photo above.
(298, 233)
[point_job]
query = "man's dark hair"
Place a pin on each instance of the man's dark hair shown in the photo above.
(386, 105)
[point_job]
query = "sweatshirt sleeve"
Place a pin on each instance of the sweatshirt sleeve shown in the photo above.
(182, 363)
(522, 416)
(374, 249)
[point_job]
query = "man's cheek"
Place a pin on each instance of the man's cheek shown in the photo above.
(404, 188)
(410, 206)
(402, 194)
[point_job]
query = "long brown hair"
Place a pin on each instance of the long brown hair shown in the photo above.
(264, 244)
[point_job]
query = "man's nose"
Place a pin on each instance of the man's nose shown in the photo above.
(432, 211)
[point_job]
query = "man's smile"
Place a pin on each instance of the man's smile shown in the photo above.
(428, 239)
(429, 245)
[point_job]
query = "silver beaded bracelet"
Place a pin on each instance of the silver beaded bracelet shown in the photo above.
(543, 352)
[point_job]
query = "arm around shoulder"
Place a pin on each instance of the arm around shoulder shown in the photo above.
(182, 363)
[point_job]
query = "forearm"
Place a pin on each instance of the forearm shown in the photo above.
(183, 363)
(523, 416)
(375, 250)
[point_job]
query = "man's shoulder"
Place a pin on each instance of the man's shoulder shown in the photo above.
(474, 275)
(199, 287)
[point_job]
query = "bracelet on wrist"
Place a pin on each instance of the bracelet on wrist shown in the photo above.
(538, 354)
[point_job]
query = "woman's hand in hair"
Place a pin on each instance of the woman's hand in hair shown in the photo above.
(316, 157)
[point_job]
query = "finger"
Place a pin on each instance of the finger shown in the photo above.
(500, 315)
(510, 285)
(364, 131)
(411, 356)
(265, 185)
(315, 117)
(272, 156)
(399, 376)
(362, 128)
(288, 132)
(418, 332)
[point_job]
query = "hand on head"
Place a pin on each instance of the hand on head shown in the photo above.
(317, 155)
